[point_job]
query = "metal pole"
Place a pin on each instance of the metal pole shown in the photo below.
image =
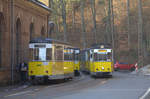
(12, 40)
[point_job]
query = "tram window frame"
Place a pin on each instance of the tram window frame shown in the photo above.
(76, 57)
(36, 54)
(109, 56)
(31, 54)
(48, 53)
(100, 57)
(58, 49)
(68, 56)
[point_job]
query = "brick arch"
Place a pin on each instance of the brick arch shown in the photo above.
(2, 32)
(43, 31)
(18, 40)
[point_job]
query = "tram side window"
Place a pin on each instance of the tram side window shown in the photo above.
(71, 56)
(49, 54)
(36, 54)
(76, 57)
(68, 57)
(109, 56)
(95, 57)
(58, 53)
(31, 55)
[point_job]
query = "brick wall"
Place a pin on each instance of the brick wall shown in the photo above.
(27, 13)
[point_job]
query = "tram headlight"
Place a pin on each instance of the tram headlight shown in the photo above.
(46, 71)
(31, 72)
(65, 67)
(103, 68)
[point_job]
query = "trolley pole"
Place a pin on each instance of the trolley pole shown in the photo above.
(12, 40)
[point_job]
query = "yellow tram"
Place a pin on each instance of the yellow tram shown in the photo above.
(76, 61)
(98, 60)
(50, 59)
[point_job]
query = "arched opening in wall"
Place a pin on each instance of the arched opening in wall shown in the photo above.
(2, 30)
(31, 31)
(43, 32)
(18, 41)
(50, 28)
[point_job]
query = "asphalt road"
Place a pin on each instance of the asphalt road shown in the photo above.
(122, 85)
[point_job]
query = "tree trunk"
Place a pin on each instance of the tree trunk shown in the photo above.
(94, 19)
(140, 34)
(111, 13)
(63, 5)
(83, 23)
(128, 22)
(109, 21)
(128, 27)
(73, 16)
(112, 25)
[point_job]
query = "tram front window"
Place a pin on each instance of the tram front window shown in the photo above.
(76, 57)
(102, 57)
(40, 54)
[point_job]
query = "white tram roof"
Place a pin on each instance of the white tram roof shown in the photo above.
(47, 40)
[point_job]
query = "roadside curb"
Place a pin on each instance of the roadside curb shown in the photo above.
(147, 74)
(146, 95)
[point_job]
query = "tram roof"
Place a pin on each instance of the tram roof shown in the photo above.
(47, 40)
(76, 48)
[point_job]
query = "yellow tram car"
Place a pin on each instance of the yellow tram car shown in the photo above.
(76, 61)
(98, 60)
(50, 59)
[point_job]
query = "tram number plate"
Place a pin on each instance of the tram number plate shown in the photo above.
(102, 50)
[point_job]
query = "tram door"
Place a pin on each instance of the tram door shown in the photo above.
(57, 65)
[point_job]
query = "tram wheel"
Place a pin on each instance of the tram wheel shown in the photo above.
(33, 82)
